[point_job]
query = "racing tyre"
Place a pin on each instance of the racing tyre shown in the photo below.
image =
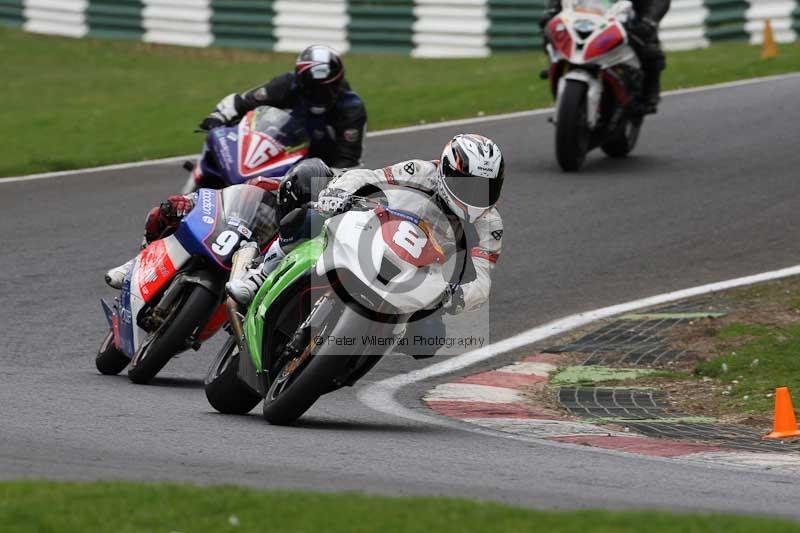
(624, 140)
(110, 361)
(572, 132)
(171, 337)
(224, 390)
(302, 380)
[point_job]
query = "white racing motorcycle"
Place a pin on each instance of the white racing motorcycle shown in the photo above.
(335, 305)
(596, 79)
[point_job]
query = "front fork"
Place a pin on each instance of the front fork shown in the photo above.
(593, 94)
(241, 261)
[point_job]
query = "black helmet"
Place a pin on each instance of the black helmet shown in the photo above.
(320, 76)
(302, 184)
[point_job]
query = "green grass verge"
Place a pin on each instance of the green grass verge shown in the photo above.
(30, 506)
(761, 351)
(75, 103)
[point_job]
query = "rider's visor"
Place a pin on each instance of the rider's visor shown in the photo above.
(473, 191)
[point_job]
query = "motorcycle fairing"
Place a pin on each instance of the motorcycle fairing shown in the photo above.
(225, 157)
(261, 155)
(360, 248)
(219, 155)
(560, 36)
(156, 267)
(409, 238)
(151, 272)
(296, 263)
(603, 42)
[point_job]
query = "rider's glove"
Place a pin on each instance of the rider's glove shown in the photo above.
(166, 216)
(214, 120)
(334, 201)
(223, 114)
(453, 299)
(176, 207)
(641, 29)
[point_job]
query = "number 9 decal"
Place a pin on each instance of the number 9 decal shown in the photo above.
(225, 243)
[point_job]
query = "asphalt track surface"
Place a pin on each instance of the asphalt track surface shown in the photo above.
(711, 193)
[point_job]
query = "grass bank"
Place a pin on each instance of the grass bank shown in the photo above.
(31, 506)
(758, 348)
(78, 103)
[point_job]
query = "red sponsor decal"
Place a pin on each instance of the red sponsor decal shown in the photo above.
(387, 172)
(155, 270)
(216, 321)
(603, 43)
(492, 257)
(413, 243)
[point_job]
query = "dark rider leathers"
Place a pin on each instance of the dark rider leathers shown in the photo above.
(337, 133)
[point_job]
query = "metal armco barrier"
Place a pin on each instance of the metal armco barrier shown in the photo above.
(423, 28)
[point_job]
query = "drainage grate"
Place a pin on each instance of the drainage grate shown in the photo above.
(630, 342)
(619, 404)
(729, 436)
(647, 412)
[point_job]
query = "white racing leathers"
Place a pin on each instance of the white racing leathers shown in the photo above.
(423, 175)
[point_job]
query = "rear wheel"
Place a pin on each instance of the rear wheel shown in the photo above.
(110, 360)
(171, 337)
(224, 390)
(572, 131)
(624, 139)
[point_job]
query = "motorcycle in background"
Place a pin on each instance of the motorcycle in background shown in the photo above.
(267, 142)
(171, 299)
(596, 79)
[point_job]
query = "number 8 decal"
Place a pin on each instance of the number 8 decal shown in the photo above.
(410, 238)
(225, 243)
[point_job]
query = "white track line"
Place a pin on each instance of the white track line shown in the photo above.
(380, 396)
(399, 131)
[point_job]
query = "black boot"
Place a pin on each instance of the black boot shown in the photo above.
(651, 91)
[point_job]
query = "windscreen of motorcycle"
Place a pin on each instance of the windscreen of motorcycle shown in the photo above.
(244, 213)
(596, 7)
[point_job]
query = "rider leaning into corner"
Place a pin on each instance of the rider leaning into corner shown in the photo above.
(318, 91)
(466, 183)
(643, 33)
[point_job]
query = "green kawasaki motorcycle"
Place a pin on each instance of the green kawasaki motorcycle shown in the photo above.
(334, 306)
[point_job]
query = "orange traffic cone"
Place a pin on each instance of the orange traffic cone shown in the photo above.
(785, 421)
(770, 48)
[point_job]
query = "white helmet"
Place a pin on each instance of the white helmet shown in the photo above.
(471, 175)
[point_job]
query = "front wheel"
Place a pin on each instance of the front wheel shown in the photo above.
(319, 369)
(224, 390)
(171, 337)
(572, 131)
(110, 361)
(624, 139)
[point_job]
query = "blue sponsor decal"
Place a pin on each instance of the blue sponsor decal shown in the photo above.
(199, 224)
(125, 316)
(404, 215)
